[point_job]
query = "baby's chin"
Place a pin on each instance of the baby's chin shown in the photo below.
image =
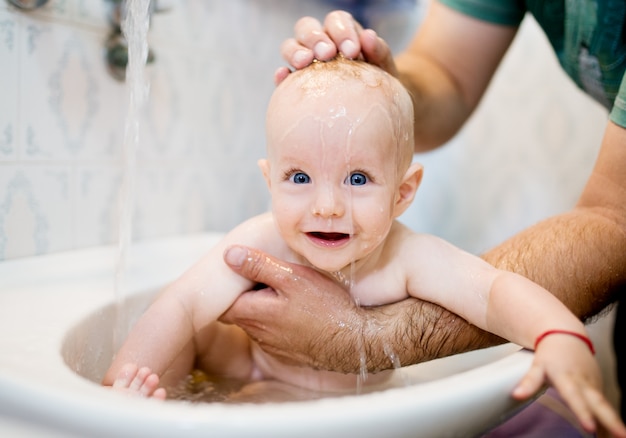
(326, 266)
(336, 263)
(340, 271)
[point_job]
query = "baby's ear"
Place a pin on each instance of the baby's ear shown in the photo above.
(264, 165)
(408, 187)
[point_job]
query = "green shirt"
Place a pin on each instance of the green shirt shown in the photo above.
(585, 34)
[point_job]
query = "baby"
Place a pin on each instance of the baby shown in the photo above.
(339, 169)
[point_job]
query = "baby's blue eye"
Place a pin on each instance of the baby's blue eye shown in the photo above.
(357, 179)
(300, 178)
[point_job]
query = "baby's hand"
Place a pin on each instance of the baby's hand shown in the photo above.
(566, 363)
(138, 381)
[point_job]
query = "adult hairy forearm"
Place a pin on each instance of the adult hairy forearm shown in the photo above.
(578, 256)
(439, 110)
(446, 87)
(415, 331)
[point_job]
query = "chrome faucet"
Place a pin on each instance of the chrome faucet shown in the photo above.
(28, 4)
(116, 53)
(116, 48)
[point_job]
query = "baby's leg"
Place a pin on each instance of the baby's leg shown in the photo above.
(138, 381)
(180, 368)
(225, 350)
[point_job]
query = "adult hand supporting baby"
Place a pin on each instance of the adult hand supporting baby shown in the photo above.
(306, 318)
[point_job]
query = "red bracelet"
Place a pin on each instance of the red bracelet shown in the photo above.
(582, 337)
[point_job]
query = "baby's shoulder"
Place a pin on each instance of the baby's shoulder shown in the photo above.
(255, 230)
(258, 232)
(410, 249)
(402, 238)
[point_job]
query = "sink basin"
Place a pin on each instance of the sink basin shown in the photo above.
(60, 322)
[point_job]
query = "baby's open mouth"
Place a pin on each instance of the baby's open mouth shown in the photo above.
(328, 240)
(329, 236)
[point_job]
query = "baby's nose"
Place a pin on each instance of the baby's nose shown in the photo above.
(328, 203)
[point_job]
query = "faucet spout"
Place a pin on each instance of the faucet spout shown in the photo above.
(116, 48)
(28, 4)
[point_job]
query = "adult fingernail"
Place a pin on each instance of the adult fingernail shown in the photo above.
(323, 50)
(348, 48)
(300, 57)
(235, 256)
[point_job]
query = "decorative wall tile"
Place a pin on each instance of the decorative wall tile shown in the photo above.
(53, 9)
(8, 75)
(35, 210)
(97, 203)
(92, 12)
(60, 97)
(161, 192)
(164, 125)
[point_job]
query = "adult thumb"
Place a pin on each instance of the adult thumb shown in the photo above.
(256, 265)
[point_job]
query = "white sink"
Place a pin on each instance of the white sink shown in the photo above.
(57, 317)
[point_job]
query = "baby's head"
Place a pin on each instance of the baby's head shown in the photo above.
(339, 152)
(353, 90)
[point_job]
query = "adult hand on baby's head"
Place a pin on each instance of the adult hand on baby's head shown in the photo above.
(340, 33)
(285, 317)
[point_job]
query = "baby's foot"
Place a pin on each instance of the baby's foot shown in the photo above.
(139, 381)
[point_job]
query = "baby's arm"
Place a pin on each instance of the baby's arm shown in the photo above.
(161, 345)
(515, 308)
(525, 313)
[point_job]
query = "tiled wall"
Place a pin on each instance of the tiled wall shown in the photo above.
(62, 119)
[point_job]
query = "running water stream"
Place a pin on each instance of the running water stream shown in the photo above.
(198, 386)
(135, 24)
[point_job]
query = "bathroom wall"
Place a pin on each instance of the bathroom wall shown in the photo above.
(62, 119)
(525, 154)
